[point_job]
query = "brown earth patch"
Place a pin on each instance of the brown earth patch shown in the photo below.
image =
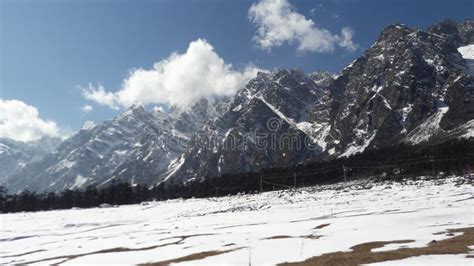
(184, 237)
(313, 237)
(321, 226)
(111, 250)
(119, 249)
(362, 254)
(367, 247)
(287, 236)
(191, 257)
(23, 254)
(277, 237)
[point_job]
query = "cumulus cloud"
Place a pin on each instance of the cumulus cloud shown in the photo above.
(179, 80)
(278, 22)
(86, 108)
(21, 122)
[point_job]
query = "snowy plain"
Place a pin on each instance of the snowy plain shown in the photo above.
(259, 229)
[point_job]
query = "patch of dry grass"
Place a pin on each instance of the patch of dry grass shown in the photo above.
(362, 254)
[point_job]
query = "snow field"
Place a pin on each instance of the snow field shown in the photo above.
(265, 229)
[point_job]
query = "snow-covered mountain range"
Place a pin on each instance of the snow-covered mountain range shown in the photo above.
(14, 155)
(411, 86)
(135, 146)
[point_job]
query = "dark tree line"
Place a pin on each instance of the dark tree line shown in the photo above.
(396, 162)
(115, 194)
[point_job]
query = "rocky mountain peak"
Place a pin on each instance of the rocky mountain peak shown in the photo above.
(395, 32)
(47, 143)
(322, 78)
(282, 74)
(466, 31)
(445, 27)
(401, 80)
(461, 33)
(135, 110)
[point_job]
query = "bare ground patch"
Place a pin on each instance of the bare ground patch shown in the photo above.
(362, 254)
(119, 249)
(278, 237)
(191, 257)
(321, 226)
(23, 254)
(310, 236)
(313, 237)
(111, 250)
(287, 236)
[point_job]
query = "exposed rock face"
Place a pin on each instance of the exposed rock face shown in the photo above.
(460, 33)
(410, 86)
(264, 126)
(406, 77)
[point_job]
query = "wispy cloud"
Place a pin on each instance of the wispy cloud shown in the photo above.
(278, 22)
(21, 122)
(86, 108)
(100, 96)
(178, 80)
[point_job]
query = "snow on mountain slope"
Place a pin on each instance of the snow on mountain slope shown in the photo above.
(14, 155)
(467, 53)
(267, 228)
(137, 146)
(428, 128)
(355, 148)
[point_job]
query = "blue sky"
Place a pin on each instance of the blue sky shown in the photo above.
(51, 50)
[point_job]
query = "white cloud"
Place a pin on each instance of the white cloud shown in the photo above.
(86, 108)
(100, 96)
(21, 122)
(88, 125)
(178, 80)
(278, 22)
